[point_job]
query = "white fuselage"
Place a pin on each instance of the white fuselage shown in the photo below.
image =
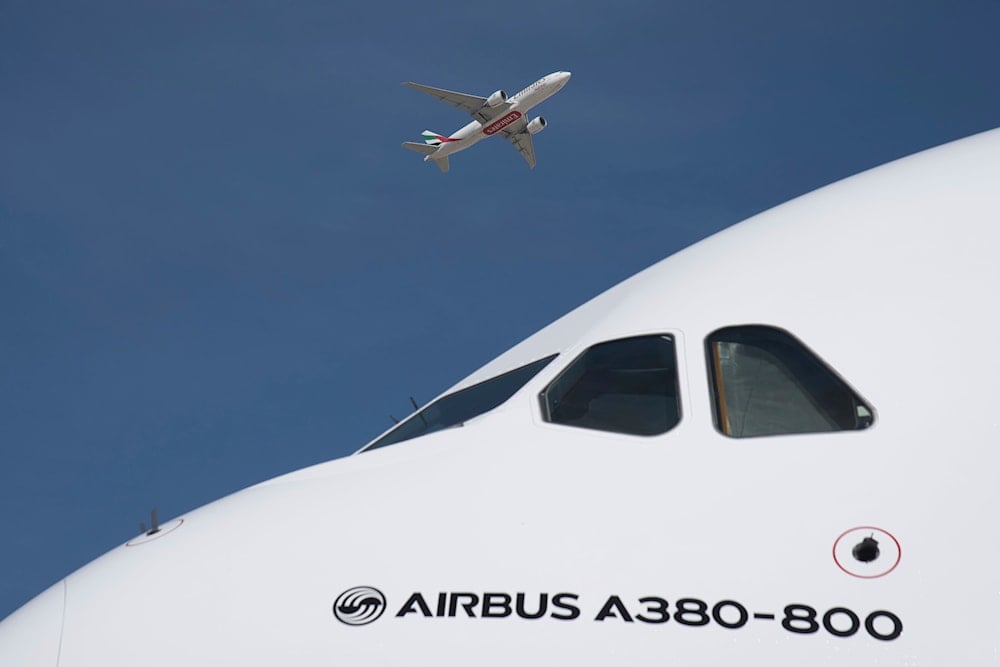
(509, 538)
(520, 104)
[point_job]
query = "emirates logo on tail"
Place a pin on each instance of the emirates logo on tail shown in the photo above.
(435, 139)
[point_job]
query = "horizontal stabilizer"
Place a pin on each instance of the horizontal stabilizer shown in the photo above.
(423, 149)
(442, 164)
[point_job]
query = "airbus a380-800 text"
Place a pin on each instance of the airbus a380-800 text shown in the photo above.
(776, 448)
(496, 114)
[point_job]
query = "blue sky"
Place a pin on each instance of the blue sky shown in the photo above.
(217, 265)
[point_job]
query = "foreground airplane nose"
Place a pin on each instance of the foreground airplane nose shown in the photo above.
(30, 636)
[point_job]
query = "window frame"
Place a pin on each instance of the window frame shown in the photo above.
(714, 386)
(377, 443)
(680, 384)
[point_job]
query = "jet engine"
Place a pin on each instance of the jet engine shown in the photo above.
(496, 99)
(536, 125)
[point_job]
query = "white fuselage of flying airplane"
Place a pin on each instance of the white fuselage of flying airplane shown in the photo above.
(495, 114)
(520, 105)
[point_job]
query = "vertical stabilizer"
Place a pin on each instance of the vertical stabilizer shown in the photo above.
(433, 138)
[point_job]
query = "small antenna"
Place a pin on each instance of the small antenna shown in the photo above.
(416, 408)
(154, 520)
(394, 420)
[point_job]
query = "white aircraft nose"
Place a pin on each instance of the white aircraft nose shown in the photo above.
(30, 636)
(559, 79)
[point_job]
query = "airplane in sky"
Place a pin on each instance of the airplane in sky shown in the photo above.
(777, 447)
(496, 114)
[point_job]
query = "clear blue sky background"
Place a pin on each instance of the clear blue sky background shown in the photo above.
(217, 264)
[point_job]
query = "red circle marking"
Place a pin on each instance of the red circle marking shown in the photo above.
(899, 552)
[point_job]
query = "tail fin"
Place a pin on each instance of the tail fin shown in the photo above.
(433, 138)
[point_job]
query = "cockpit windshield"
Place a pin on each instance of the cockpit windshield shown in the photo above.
(766, 382)
(461, 406)
(623, 386)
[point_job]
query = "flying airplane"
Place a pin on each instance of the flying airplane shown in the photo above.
(496, 114)
(776, 447)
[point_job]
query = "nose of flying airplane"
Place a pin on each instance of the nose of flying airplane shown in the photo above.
(30, 637)
(558, 79)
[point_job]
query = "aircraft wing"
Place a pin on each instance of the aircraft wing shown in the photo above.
(469, 103)
(474, 105)
(518, 135)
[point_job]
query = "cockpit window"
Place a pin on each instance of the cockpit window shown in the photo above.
(461, 406)
(625, 386)
(765, 382)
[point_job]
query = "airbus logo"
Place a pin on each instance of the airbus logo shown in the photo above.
(363, 604)
(359, 605)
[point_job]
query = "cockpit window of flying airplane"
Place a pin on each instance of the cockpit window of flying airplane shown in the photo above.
(461, 406)
(765, 382)
(625, 386)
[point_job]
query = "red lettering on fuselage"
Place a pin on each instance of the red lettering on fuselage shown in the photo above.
(501, 123)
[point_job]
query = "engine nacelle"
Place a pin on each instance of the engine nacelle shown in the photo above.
(496, 99)
(536, 125)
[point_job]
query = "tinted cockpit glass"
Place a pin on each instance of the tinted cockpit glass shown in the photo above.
(461, 406)
(765, 382)
(624, 386)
